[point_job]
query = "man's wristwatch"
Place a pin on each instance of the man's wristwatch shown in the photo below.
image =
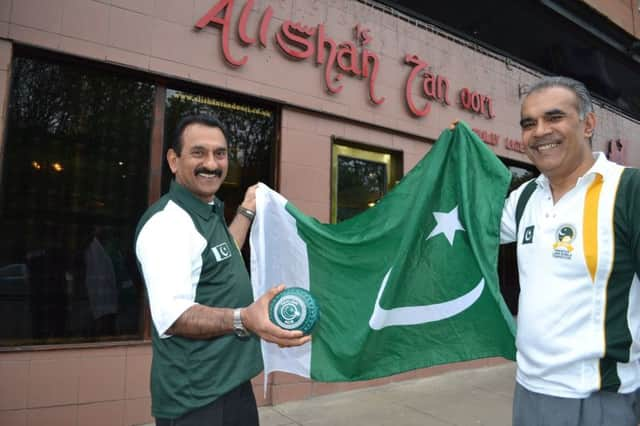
(238, 327)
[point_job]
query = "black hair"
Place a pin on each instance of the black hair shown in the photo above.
(187, 120)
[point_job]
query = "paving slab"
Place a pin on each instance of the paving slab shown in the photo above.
(474, 397)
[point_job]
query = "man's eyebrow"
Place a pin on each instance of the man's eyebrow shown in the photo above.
(525, 120)
(555, 111)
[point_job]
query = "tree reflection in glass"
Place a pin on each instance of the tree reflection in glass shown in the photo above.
(74, 183)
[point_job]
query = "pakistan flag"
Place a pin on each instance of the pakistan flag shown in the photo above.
(409, 283)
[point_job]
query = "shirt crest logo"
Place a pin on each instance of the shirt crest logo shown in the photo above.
(221, 252)
(528, 235)
(565, 235)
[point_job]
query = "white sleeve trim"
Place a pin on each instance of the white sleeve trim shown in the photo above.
(169, 249)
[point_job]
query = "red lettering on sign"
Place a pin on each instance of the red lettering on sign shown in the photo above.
(264, 25)
(408, 93)
(340, 59)
(211, 17)
(514, 145)
(489, 138)
(476, 102)
(242, 27)
(368, 56)
(296, 35)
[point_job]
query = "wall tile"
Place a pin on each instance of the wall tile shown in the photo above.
(137, 411)
(14, 376)
(138, 369)
(178, 11)
(101, 414)
(13, 418)
(53, 416)
(142, 6)
(101, 379)
(34, 37)
(44, 15)
(86, 20)
(130, 31)
(53, 382)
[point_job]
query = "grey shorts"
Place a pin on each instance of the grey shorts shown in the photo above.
(599, 409)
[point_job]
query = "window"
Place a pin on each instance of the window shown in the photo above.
(252, 135)
(74, 184)
(360, 178)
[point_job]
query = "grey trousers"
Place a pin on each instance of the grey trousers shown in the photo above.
(599, 409)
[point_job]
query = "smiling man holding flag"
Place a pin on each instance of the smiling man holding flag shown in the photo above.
(409, 283)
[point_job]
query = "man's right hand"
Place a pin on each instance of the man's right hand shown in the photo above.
(255, 318)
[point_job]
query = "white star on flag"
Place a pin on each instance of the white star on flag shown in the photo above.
(448, 224)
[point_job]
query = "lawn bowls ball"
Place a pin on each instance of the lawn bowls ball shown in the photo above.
(294, 309)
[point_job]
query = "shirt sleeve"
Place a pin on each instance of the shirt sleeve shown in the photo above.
(508, 222)
(634, 219)
(165, 248)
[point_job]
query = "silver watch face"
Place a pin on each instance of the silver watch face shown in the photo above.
(241, 332)
(238, 328)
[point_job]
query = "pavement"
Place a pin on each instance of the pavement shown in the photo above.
(480, 396)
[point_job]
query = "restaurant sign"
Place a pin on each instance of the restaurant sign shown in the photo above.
(350, 58)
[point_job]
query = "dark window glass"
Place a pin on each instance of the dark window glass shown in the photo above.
(361, 184)
(361, 176)
(74, 183)
(252, 135)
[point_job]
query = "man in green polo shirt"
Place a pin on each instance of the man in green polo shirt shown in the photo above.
(206, 327)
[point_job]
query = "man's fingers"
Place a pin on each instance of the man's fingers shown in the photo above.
(453, 124)
(287, 343)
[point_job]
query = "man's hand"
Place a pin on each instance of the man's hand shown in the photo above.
(241, 223)
(249, 201)
(255, 318)
(453, 124)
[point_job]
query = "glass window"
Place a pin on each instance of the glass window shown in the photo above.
(361, 177)
(74, 183)
(252, 135)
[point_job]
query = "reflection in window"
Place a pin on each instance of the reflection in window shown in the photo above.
(361, 178)
(361, 184)
(251, 130)
(74, 184)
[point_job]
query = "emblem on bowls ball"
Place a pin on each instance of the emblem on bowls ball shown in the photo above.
(294, 309)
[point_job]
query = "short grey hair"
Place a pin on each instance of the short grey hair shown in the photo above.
(585, 105)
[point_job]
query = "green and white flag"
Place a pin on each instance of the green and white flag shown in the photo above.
(409, 283)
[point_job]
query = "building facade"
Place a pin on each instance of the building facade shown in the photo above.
(330, 102)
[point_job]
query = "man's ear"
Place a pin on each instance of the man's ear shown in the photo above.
(589, 125)
(172, 159)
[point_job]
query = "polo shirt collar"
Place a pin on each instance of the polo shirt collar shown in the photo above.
(185, 198)
(600, 167)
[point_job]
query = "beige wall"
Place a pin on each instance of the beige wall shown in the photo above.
(92, 387)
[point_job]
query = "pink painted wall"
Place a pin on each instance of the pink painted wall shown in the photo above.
(102, 386)
(158, 36)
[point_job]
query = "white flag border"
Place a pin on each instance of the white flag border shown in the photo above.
(270, 267)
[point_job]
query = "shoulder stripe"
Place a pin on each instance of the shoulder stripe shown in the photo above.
(590, 223)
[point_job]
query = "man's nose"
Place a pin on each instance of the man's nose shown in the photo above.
(541, 128)
(210, 161)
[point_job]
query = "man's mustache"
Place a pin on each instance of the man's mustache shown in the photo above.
(217, 172)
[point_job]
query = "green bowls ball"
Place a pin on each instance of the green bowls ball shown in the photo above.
(294, 309)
